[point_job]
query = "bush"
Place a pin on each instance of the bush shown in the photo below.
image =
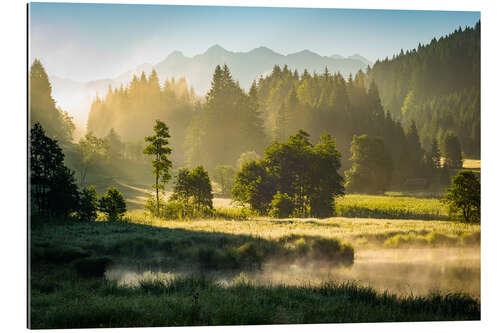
(333, 250)
(176, 210)
(282, 206)
(113, 204)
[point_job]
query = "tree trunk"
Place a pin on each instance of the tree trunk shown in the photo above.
(157, 198)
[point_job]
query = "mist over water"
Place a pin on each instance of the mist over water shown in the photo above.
(404, 272)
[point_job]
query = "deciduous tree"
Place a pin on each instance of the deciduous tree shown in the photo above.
(464, 197)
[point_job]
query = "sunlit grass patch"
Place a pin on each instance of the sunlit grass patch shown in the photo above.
(360, 232)
(376, 206)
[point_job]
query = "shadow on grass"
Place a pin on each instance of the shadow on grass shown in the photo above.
(149, 246)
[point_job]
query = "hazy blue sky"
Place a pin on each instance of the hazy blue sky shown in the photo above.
(93, 41)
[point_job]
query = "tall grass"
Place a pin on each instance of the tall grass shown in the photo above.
(68, 260)
(361, 232)
(200, 301)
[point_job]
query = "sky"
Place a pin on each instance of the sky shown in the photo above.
(94, 41)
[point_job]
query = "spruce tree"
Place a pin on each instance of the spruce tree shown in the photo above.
(158, 149)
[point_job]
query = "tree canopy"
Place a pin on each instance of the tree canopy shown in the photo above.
(52, 185)
(464, 197)
(372, 165)
(193, 189)
(304, 173)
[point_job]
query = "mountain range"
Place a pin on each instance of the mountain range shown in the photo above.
(76, 97)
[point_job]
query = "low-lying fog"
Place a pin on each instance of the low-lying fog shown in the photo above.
(400, 271)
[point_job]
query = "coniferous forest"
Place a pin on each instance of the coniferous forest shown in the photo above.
(415, 98)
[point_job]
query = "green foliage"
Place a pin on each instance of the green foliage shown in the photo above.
(53, 191)
(255, 186)
(464, 197)
(372, 166)
(88, 204)
(325, 185)
(329, 103)
(452, 152)
(224, 176)
(282, 206)
(437, 85)
(307, 174)
(113, 204)
(332, 249)
(63, 196)
(228, 106)
(158, 148)
(192, 189)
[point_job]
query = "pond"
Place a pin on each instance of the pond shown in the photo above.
(400, 271)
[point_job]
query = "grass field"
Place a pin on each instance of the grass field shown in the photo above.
(399, 207)
(69, 262)
(145, 271)
(366, 232)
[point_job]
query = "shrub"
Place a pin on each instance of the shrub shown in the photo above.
(301, 247)
(333, 250)
(176, 210)
(282, 206)
(113, 204)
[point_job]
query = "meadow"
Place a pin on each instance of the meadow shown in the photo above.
(360, 232)
(199, 271)
(391, 206)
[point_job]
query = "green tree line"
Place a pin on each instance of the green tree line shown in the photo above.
(438, 86)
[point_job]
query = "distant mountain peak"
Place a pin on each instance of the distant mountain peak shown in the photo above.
(215, 49)
(306, 51)
(360, 58)
(337, 56)
(176, 54)
(263, 49)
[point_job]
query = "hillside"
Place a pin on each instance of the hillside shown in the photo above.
(438, 86)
